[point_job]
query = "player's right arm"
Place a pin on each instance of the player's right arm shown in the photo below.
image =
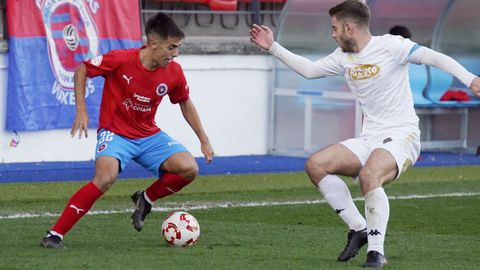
(80, 123)
(262, 36)
(100, 65)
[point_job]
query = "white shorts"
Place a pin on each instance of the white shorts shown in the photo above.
(404, 145)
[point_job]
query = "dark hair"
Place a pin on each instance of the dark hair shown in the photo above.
(400, 30)
(354, 10)
(164, 26)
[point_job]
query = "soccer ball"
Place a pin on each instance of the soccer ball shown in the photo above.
(180, 229)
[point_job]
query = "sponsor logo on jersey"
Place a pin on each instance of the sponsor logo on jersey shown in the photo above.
(72, 37)
(141, 98)
(363, 72)
(162, 89)
(136, 107)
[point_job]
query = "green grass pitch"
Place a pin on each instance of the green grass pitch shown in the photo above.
(434, 224)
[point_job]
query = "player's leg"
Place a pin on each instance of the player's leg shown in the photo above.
(112, 151)
(334, 159)
(380, 168)
(322, 168)
(395, 153)
(179, 170)
(106, 171)
(175, 167)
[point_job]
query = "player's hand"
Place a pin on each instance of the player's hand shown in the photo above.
(80, 124)
(262, 36)
(475, 86)
(207, 151)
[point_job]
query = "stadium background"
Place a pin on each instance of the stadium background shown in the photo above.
(256, 206)
(238, 88)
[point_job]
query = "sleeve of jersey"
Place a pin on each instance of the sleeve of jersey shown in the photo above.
(399, 47)
(326, 66)
(181, 92)
(101, 65)
(427, 56)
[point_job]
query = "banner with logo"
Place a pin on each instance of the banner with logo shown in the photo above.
(48, 39)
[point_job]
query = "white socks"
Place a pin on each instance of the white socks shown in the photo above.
(145, 196)
(337, 195)
(55, 233)
(377, 211)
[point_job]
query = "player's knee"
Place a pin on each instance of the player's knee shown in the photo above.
(193, 170)
(104, 181)
(312, 166)
(365, 174)
(315, 169)
(189, 170)
(368, 180)
(316, 165)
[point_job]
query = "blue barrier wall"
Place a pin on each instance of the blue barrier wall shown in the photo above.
(73, 171)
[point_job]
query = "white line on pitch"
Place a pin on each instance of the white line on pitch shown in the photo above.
(212, 205)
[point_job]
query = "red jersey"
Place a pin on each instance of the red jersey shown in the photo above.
(132, 93)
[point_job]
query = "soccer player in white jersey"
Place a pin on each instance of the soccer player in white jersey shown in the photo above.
(376, 70)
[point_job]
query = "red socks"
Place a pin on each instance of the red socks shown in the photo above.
(167, 184)
(81, 202)
(77, 207)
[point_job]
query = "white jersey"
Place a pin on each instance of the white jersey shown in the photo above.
(377, 76)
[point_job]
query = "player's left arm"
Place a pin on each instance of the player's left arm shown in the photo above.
(193, 119)
(424, 55)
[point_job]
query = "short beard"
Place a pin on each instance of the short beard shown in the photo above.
(348, 45)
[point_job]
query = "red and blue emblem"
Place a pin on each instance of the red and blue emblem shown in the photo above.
(162, 89)
(48, 40)
(72, 37)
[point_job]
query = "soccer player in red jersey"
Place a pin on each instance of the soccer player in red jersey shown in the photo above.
(136, 81)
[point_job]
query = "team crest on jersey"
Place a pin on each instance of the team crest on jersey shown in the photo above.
(363, 72)
(72, 37)
(162, 89)
(101, 148)
(97, 60)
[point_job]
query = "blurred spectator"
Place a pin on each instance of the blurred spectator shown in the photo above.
(400, 30)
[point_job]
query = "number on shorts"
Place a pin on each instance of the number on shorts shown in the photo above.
(106, 136)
